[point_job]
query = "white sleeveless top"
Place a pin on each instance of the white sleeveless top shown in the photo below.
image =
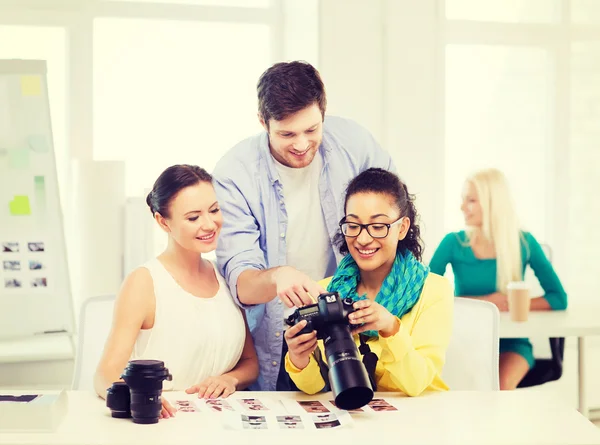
(195, 337)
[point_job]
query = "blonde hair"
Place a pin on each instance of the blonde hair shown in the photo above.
(500, 225)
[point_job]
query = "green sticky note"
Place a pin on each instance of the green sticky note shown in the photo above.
(18, 158)
(20, 206)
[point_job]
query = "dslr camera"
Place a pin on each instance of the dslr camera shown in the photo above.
(348, 376)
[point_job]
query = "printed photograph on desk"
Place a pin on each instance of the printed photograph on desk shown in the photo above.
(313, 406)
(185, 406)
(214, 405)
(323, 421)
(380, 405)
(309, 406)
(290, 422)
(11, 265)
(254, 422)
(253, 405)
(281, 422)
(10, 247)
(37, 246)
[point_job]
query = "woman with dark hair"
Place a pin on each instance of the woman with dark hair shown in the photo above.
(403, 310)
(177, 308)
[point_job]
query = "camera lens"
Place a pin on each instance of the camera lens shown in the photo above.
(117, 400)
(347, 374)
(144, 378)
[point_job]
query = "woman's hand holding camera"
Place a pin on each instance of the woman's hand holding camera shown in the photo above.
(373, 316)
(213, 387)
(300, 347)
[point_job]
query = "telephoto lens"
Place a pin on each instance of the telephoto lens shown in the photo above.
(145, 380)
(117, 400)
(348, 376)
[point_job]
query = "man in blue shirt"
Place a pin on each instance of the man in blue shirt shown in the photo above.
(281, 193)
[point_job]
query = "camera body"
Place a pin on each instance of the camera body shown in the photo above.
(329, 309)
(348, 377)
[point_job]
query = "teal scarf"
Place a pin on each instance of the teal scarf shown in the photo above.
(399, 292)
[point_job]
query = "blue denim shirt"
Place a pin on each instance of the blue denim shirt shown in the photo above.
(253, 236)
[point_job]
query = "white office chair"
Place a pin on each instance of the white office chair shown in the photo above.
(473, 353)
(94, 324)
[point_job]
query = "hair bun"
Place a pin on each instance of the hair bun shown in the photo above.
(149, 201)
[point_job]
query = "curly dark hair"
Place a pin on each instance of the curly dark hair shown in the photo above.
(378, 180)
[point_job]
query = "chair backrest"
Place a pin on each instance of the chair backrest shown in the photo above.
(94, 325)
(473, 353)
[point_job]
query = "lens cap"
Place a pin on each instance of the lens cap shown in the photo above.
(154, 369)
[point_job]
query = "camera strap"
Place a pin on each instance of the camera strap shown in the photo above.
(369, 359)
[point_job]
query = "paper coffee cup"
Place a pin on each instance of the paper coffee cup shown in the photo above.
(519, 300)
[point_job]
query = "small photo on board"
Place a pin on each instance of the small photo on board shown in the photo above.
(11, 265)
(10, 247)
(36, 247)
(35, 265)
(39, 282)
(12, 283)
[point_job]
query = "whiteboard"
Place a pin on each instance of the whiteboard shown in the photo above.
(35, 295)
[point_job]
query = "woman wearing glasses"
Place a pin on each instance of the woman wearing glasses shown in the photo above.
(403, 310)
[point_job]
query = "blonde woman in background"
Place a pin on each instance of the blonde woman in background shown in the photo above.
(490, 253)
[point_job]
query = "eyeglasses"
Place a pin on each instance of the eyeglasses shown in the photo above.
(375, 230)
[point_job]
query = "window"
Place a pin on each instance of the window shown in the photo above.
(584, 159)
(239, 3)
(164, 93)
(511, 11)
(499, 113)
(45, 43)
(585, 12)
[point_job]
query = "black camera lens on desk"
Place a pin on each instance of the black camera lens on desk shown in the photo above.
(348, 376)
(118, 400)
(143, 380)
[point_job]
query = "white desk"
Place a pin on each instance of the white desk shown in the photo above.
(577, 321)
(507, 417)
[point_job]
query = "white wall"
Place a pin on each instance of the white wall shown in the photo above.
(379, 63)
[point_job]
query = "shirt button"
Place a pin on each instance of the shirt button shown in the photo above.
(278, 301)
(282, 235)
(277, 334)
(274, 363)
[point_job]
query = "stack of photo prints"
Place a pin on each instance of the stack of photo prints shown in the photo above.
(267, 414)
(23, 265)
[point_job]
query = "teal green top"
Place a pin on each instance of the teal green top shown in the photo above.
(476, 277)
